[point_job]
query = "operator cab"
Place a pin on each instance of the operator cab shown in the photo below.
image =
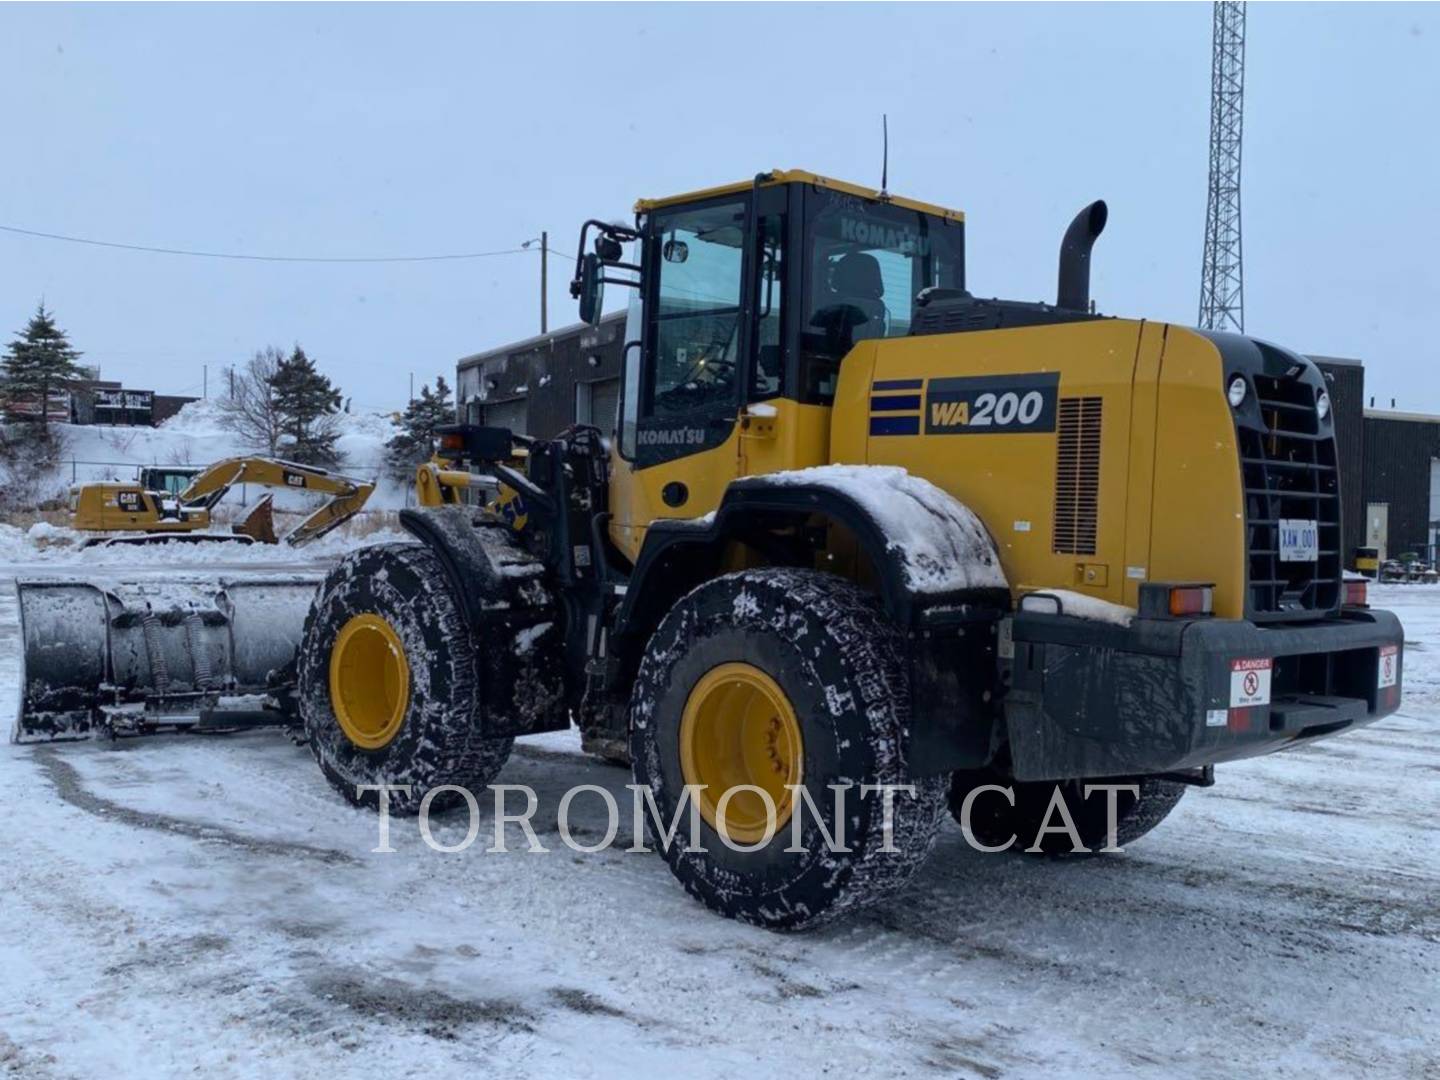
(757, 291)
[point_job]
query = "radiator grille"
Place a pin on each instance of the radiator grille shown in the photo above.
(1290, 471)
(1077, 476)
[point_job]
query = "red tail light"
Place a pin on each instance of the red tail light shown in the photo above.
(1192, 600)
(1355, 594)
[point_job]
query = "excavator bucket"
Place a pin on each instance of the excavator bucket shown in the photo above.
(259, 523)
(134, 656)
(332, 515)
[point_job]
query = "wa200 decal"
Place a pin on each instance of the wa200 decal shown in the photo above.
(992, 404)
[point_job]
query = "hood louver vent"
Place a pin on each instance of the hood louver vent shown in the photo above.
(1077, 476)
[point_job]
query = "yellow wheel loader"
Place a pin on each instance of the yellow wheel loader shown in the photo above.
(175, 504)
(859, 527)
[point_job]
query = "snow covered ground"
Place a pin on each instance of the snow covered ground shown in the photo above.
(191, 905)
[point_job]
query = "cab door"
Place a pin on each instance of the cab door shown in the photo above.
(679, 446)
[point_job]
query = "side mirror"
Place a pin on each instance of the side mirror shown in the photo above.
(675, 251)
(609, 249)
(592, 289)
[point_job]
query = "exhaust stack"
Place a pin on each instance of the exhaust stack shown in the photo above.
(1073, 290)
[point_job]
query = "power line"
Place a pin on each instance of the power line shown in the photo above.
(262, 258)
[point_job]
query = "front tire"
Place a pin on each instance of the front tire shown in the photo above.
(387, 682)
(770, 677)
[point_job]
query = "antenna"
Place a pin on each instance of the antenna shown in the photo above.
(884, 155)
(1222, 292)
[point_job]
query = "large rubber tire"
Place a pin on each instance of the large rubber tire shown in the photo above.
(993, 821)
(837, 659)
(441, 739)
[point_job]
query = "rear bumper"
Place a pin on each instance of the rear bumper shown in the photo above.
(1087, 699)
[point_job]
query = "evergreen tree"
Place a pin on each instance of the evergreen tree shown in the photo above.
(416, 441)
(37, 362)
(307, 402)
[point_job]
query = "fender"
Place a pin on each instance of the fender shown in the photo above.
(931, 552)
(524, 680)
(481, 559)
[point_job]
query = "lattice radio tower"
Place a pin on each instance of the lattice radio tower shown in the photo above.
(1222, 291)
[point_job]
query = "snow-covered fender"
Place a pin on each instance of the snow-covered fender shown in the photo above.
(938, 575)
(929, 550)
(507, 605)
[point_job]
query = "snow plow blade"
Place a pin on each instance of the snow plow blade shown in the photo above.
(135, 656)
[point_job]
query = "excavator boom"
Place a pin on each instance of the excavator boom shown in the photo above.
(125, 508)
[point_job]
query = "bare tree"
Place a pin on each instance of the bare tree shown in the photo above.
(249, 403)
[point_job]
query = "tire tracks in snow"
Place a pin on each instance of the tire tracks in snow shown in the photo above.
(70, 788)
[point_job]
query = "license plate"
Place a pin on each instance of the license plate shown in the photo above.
(1299, 540)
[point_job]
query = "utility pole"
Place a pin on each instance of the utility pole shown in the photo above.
(205, 381)
(1222, 292)
(412, 386)
(544, 276)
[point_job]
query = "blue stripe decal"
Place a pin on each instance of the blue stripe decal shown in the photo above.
(895, 425)
(899, 403)
(898, 384)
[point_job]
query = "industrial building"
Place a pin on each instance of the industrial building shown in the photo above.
(93, 400)
(1389, 461)
(543, 384)
(1402, 484)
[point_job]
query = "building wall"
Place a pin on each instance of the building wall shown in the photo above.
(1399, 449)
(542, 385)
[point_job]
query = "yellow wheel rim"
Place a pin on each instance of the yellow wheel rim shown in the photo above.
(369, 681)
(739, 728)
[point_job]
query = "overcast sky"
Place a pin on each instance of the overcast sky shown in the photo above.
(339, 130)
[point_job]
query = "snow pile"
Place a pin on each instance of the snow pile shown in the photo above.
(65, 547)
(197, 435)
(1080, 606)
(942, 544)
(14, 544)
(198, 418)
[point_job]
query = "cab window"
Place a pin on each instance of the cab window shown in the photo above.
(696, 315)
(770, 310)
(866, 262)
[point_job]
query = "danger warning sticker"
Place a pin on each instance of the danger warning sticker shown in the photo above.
(1249, 683)
(1389, 666)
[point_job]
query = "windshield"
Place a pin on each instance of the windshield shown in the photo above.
(697, 313)
(865, 264)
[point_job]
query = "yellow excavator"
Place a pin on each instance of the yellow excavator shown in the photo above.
(152, 513)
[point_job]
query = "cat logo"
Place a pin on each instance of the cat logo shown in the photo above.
(294, 479)
(992, 404)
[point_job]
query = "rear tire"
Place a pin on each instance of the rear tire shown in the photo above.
(812, 655)
(993, 821)
(436, 737)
